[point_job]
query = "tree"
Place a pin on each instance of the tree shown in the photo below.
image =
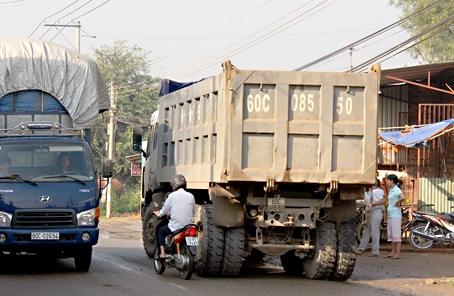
(439, 47)
(136, 97)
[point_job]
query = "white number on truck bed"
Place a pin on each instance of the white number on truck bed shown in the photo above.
(257, 103)
(301, 102)
(348, 105)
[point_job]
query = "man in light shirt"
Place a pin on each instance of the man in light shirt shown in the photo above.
(182, 205)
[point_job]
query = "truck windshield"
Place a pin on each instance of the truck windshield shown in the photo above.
(37, 161)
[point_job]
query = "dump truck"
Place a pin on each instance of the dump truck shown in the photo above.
(275, 160)
(50, 98)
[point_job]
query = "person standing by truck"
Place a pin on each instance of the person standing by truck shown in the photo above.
(182, 205)
(395, 197)
(372, 229)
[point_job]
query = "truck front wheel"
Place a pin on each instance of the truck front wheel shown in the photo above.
(211, 245)
(320, 262)
(82, 259)
(149, 232)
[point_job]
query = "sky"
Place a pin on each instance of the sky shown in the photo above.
(187, 40)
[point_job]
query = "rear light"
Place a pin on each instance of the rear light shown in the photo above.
(191, 231)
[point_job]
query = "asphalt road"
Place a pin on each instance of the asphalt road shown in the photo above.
(120, 267)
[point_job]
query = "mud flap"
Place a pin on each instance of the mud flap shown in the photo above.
(227, 213)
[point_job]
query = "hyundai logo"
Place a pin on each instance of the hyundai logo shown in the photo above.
(44, 199)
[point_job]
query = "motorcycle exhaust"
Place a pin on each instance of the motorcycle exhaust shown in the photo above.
(430, 236)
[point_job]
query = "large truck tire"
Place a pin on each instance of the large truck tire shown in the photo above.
(210, 250)
(149, 232)
(233, 252)
(347, 244)
(292, 265)
(320, 262)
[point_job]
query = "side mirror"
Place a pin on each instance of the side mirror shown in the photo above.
(107, 168)
(137, 139)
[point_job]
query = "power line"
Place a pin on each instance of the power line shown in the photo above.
(92, 9)
(409, 40)
(198, 40)
(362, 40)
(21, 5)
(60, 32)
(257, 41)
(49, 17)
(64, 17)
(228, 37)
(243, 38)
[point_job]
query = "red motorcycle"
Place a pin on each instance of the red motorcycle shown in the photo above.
(180, 247)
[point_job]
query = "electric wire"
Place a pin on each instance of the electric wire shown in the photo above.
(364, 39)
(51, 16)
(92, 9)
(205, 37)
(402, 44)
(257, 41)
(82, 14)
(244, 37)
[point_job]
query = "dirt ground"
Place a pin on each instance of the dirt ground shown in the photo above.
(416, 273)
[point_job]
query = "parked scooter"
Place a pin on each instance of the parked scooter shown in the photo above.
(180, 247)
(429, 229)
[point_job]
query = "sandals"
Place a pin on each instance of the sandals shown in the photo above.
(388, 256)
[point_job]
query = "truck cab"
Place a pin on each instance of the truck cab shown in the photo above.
(50, 98)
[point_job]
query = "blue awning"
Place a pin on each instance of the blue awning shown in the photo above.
(417, 136)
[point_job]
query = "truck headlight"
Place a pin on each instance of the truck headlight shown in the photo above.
(87, 217)
(5, 219)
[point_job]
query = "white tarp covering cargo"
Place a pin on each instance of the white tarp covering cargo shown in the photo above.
(72, 78)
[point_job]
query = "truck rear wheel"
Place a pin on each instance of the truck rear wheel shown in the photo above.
(149, 232)
(233, 252)
(320, 262)
(346, 247)
(82, 259)
(292, 265)
(211, 245)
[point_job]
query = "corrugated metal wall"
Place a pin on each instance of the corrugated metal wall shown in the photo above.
(436, 191)
(392, 112)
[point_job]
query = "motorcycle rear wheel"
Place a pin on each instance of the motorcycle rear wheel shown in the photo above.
(159, 266)
(188, 268)
(419, 242)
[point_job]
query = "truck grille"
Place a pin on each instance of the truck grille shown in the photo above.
(43, 219)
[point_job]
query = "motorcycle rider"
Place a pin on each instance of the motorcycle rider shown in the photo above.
(182, 205)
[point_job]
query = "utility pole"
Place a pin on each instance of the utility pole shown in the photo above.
(110, 145)
(72, 25)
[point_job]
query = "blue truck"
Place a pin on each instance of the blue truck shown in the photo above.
(50, 98)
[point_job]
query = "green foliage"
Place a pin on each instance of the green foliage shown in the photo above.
(123, 204)
(136, 97)
(438, 48)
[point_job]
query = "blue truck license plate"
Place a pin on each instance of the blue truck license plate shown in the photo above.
(45, 235)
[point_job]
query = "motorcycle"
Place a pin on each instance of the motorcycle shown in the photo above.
(180, 247)
(429, 229)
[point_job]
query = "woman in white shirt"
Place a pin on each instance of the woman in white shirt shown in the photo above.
(372, 229)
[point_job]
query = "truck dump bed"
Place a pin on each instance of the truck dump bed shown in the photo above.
(245, 125)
